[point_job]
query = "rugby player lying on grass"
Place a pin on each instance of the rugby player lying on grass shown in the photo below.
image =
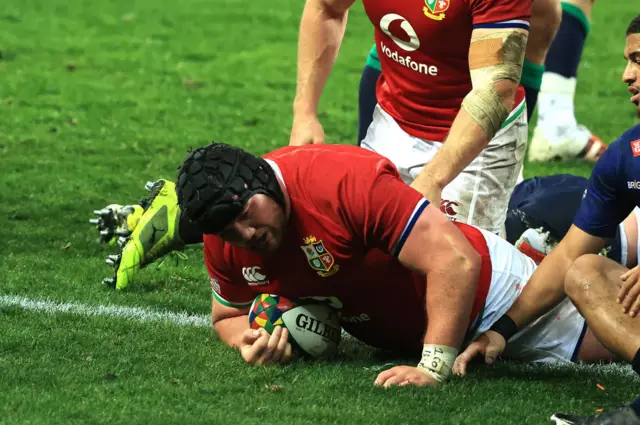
(386, 253)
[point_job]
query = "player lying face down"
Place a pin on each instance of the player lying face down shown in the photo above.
(337, 222)
(343, 202)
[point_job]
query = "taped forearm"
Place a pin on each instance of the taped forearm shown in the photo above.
(448, 315)
(493, 58)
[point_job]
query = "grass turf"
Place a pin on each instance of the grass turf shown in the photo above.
(99, 97)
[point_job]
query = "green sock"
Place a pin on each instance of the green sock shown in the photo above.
(577, 13)
(372, 60)
(532, 75)
(531, 80)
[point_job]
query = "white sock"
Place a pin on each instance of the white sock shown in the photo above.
(555, 101)
(556, 116)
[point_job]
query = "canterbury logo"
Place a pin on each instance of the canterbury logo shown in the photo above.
(253, 276)
(215, 285)
(447, 207)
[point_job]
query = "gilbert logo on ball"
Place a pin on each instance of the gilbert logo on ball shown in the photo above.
(313, 328)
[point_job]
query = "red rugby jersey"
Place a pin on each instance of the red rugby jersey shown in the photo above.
(423, 48)
(350, 215)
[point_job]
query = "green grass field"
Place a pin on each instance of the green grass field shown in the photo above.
(96, 98)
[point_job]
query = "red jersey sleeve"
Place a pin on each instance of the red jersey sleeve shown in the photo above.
(357, 192)
(227, 290)
(383, 209)
(500, 13)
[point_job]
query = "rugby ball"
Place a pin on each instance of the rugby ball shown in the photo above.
(313, 328)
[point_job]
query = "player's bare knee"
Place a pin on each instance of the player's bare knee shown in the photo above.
(580, 277)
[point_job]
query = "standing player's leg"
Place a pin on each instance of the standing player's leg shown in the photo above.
(367, 93)
(593, 283)
(480, 194)
(557, 133)
(545, 21)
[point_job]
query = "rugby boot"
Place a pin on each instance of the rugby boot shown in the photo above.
(114, 221)
(565, 142)
(155, 235)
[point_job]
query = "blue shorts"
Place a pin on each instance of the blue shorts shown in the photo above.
(550, 202)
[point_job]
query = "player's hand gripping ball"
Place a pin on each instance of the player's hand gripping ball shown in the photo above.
(314, 329)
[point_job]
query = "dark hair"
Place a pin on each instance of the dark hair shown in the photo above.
(634, 26)
(216, 181)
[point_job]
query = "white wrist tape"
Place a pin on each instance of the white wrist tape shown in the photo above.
(437, 360)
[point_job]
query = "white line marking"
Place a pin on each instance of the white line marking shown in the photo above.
(135, 313)
(204, 321)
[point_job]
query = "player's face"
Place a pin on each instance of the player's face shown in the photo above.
(631, 75)
(259, 227)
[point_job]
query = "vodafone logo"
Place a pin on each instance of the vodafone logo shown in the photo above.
(253, 276)
(415, 64)
(414, 42)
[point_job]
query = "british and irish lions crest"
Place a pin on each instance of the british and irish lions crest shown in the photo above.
(435, 9)
(318, 257)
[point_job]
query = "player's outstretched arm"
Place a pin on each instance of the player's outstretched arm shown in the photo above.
(321, 31)
(439, 250)
(495, 62)
(544, 291)
(256, 346)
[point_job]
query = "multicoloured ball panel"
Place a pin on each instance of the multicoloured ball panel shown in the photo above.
(266, 311)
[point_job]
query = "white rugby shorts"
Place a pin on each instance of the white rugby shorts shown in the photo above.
(480, 194)
(554, 337)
